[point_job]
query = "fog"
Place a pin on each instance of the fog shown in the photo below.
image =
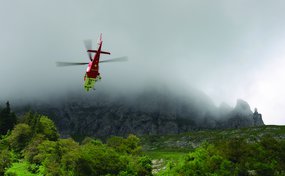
(227, 49)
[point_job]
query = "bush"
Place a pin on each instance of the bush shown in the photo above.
(5, 160)
(20, 137)
(100, 160)
(41, 124)
(130, 145)
(21, 169)
(144, 166)
(32, 150)
(47, 128)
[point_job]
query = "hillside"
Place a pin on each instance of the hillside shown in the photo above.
(191, 140)
(154, 111)
(169, 153)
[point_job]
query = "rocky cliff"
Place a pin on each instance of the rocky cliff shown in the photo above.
(241, 116)
(154, 111)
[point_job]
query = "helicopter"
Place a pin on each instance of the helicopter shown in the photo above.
(92, 74)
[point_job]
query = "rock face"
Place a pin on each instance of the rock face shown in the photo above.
(257, 118)
(241, 116)
(151, 112)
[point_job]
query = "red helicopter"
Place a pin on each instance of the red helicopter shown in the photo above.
(92, 73)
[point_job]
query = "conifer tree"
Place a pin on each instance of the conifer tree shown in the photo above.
(8, 119)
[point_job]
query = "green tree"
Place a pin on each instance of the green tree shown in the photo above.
(57, 157)
(144, 166)
(49, 155)
(133, 144)
(21, 169)
(70, 154)
(32, 149)
(92, 141)
(117, 143)
(32, 119)
(204, 160)
(41, 124)
(20, 137)
(100, 160)
(236, 150)
(8, 119)
(5, 160)
(47, 128)
(130, 145)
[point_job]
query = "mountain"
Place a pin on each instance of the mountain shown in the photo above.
(153, 111)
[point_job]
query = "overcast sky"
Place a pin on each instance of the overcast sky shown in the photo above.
(229, 49)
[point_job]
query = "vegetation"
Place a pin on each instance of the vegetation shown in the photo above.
(241, 152)
(32, 147)
(7, 119)
(235, 157)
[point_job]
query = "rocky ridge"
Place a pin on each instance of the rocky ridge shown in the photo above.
(152, 112)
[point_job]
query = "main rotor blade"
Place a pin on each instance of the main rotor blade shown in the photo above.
(88, 46)
(64, 64)
(118, 59)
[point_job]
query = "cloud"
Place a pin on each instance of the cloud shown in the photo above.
(221, 47)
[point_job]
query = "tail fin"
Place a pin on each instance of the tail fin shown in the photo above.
(100, 39)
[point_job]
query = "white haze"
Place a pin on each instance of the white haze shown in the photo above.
(228, 49)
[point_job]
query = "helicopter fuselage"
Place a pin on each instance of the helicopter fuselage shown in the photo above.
(92, 72)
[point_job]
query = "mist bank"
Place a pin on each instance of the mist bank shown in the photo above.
(154, 110)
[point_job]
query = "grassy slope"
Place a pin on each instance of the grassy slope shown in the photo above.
(188, 141)
(162, 149)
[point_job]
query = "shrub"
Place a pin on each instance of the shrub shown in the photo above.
(20, 137)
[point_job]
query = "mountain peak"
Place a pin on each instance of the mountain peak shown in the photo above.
(242, 107)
